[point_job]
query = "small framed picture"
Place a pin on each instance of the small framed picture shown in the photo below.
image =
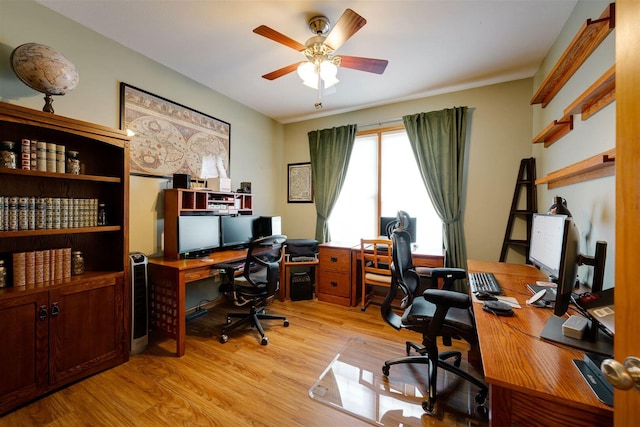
(300, 185)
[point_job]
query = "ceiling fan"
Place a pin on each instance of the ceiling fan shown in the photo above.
(321, 64)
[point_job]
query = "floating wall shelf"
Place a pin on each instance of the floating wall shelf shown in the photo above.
(591, 34)
(554, 131)
(594, 167)
(596, 97)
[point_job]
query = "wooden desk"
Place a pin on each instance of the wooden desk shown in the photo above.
(532, 382)
(167, 282)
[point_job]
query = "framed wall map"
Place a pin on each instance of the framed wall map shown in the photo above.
(300, 186)
(170, 138)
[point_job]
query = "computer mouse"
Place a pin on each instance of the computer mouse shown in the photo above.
(486, 296)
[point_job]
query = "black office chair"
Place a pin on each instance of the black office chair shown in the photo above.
(256, 287)
(437, 313)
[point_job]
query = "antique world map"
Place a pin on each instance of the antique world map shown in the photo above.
(170, 138)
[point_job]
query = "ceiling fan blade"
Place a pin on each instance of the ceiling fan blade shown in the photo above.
(369, 65)
(281, 72)
(272, 34)
(348, 24)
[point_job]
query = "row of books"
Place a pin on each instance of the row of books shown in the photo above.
(42, 156)
(35, 267)
(42, 213)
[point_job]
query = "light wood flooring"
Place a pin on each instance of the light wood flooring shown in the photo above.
(234, 384)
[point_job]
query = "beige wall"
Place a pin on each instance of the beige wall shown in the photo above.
(592, 203)
(256, 141)
(499, 137)
(502, 124)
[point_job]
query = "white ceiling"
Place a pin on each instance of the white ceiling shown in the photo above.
(432, 46)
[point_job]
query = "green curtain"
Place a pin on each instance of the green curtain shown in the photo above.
(438, 140)
(330, 151)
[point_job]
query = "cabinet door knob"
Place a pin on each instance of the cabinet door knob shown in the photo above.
(55, 310)
(334, 284)
(334, 259)
(42, 313)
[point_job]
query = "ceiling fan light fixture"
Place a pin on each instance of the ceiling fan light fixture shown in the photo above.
(307, 72)
(328, 72)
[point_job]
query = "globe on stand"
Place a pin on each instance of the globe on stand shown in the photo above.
(44, 69)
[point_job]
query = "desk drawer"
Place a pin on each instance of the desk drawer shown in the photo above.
(193, 275)
(335, 259)
(334, 283)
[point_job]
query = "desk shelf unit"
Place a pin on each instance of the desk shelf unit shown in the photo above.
(179, 201)
(50, 320)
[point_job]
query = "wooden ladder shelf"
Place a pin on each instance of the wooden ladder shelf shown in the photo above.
(526, 183)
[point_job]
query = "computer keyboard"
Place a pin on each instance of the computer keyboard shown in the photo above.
(484, 282)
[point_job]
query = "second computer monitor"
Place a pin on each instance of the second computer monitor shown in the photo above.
(389, 223)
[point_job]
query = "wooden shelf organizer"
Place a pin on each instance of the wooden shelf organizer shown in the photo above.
(591, 34)
(597, 166)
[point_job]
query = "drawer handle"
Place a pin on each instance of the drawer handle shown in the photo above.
(55, 310)
(334, 259)
(334, 284)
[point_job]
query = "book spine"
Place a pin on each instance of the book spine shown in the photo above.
(59, 264)
(51, 157)
(46, 265)
(41, 156)
(39, 266)
(66, 257)
(25, 154)
(33, 148)
(13, 214)
(41, 213)
(60, 158)
(19, 269)
(30, 267)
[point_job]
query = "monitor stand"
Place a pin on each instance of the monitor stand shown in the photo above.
(553, 332)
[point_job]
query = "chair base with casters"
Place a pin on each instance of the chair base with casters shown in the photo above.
(442, 357)
(253, 318)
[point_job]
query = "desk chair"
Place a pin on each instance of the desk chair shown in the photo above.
(256, 287)
(437, 313)
(376, 268)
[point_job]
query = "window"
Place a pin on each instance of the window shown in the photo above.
(383, 178)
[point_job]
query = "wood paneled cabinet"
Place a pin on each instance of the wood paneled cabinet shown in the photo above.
(58, 329)
(53, 338)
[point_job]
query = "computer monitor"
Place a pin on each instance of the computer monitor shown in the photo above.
(554, 248)
(198, 235)
(389, 223)
(237, 231)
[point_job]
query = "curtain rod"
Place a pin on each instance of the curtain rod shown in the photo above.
(386, 122)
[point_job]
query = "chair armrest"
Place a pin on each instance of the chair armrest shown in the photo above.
(441, 297)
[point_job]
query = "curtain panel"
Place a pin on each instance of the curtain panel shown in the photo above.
(330, 151)
(438, 140)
